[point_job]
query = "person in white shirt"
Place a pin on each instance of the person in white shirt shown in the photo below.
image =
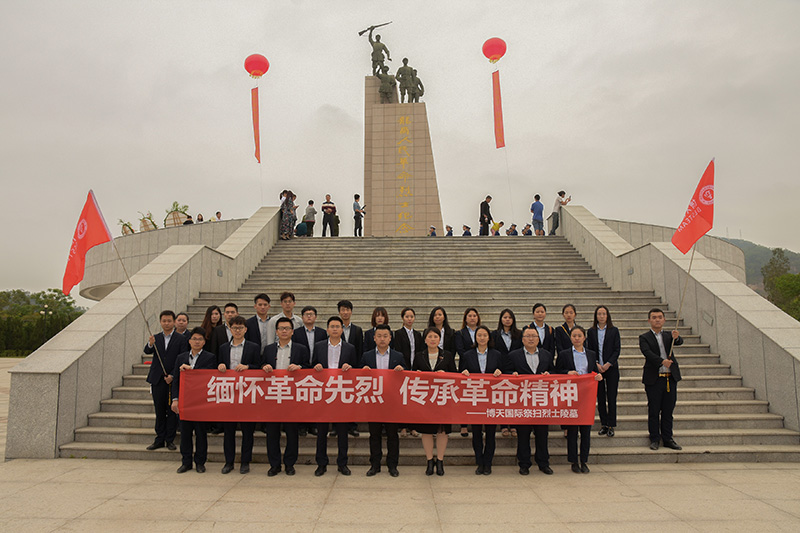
(287, 308)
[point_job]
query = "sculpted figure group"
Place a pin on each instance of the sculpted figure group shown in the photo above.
(411, 86)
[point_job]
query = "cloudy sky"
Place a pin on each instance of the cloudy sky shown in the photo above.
(622, 104)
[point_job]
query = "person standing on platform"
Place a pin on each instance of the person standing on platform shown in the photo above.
(485, 216)
(660, 376)
(354, 335)
(287, 308)
(194, 358)
(537, 208)
(167, 345)
(238, 355)
(379, 316)
(358, 214)
(283, 355)
(407, 341)
(466, 231)
(328, 212)
(310, 218)
(546, 332)
(258, 324)
(512, 231)
(603, 338)
(561, 201)
(526, 231)
(308, 335)
(382, 357)
(482, 359)
(531, 359)
(182, 325)
(448, 230)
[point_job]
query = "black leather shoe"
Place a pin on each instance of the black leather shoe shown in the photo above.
(200, 468)
(302, 432)
(227, 469)
(171, 446)
(439, 467)
(218, 431)
(576, 468)
(429, 470)
(672, 444)
(312, 431)
(487, 470)
(373, 470)
(584, 468)
(274, 471)
(156, 445)
(610, 432)
(320, 471)
(479, 470)
(344, 470)
(290, 471)
(393, 471)
(353, 432)
(333, 433)
(654, 445)
(546, 470)
(244, 468)
(524, 470)
(603, 431)
(183, 468)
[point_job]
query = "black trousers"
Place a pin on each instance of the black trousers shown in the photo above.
(229, 441)
(327, 222)
(357, 228)
(607, 397)
(555, 224)
(572, 443)
(392, 444)
(660, 406)
(322, 443)
(542, 456)
(484, 449)
(166, 419)
(201, 451)
(484, 229)
(274, 443)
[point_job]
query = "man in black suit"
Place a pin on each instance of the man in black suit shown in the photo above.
(182, 325)
(284, 354)
(660, 376)
(165, 348)
(530, 359)
(238, 355)
(383, 358)
(333, 353)
(195, 358)
(222, 333)
(485, 216)
(257, 324)
(354, 335)
(308, 335)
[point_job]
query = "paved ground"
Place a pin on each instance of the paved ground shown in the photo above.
(100, 495)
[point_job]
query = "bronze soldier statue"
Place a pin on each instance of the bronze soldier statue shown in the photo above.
(378, 49)
(417, 89)
(387, 85)
(404, 75)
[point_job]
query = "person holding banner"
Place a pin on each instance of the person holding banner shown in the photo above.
(531, 359)
(577, 361)
(432, 359)
(604, 339)
(383, 358)
(482, 359)
(195, 358)
(283, 355)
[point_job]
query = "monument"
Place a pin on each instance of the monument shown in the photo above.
(400, 188)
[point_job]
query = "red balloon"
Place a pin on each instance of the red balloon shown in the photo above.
(257, 65)
(494, 49)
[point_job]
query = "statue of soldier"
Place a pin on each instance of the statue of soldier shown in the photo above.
(417, 89)
(404, 75)
(387, 85)
(378, 49)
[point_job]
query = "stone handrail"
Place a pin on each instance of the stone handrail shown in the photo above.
(54, 389)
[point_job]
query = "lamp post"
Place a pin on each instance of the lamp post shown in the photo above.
(45, 313)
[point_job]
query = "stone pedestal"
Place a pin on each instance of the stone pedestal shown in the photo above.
(400, 190)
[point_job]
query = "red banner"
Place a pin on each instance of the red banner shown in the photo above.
(256, 127)
(386, 396)
(499, 135)
(91, 231)
(699, 217)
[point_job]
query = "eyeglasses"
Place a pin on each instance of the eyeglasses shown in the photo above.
(238, 328)
(284, 328)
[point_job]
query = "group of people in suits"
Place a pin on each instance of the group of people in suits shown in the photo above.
(288, 342)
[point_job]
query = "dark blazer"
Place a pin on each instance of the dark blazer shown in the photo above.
(219, 336)
(562, 338)
(445, 362)
(395, 358)
(298, 355)
(177, 345)
(549, 340)
(369, 339)
(612, 346)
(401, 344)
(652, 356)
(463, 341)
(299, 336)
(450, 340)
(187, 334)
(486, 214)
(566, 362)
(253, 333)
(356, 339)
(205, 360)
(516, 362)
(469, 361)
(500, 345)
(348, 355)
(251, 355)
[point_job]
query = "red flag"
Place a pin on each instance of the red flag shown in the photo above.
(699, 216)
(256, 128)
(499, 136)
(91, 231)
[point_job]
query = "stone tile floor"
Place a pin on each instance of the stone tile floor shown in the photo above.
(104, 495)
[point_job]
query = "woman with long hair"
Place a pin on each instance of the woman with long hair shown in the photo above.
(438, 320)
(212, 319)
(465, 339)
(287, 216)
(379, 316)
(507, 338)
(564, 331)
(603, 338)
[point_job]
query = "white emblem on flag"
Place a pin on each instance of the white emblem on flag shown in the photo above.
(82, 227)
(707, 195)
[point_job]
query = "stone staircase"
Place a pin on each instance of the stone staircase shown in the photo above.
(717, 418)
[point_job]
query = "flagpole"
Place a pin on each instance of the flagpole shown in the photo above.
(683, 295)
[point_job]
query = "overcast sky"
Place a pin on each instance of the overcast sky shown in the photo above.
(622, 104)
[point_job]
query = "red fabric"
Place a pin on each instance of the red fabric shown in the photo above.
(91, 231)
(385, 396)
(256, 127)
(499, 135)
(699, 216)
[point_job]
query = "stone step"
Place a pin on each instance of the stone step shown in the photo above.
(686, 370)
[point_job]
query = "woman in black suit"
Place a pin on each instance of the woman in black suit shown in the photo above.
(438, 320)
(564, 331)
(379, 316)
(575, 361)
(482, 359)
(507, 338)
(465, 340)
(433, 359)
(603, 338)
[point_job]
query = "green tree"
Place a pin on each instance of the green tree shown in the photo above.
(787, 294)
(28, 320)
(777, 266)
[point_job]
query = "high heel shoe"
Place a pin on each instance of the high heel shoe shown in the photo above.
(429, 470)
(439, 467)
